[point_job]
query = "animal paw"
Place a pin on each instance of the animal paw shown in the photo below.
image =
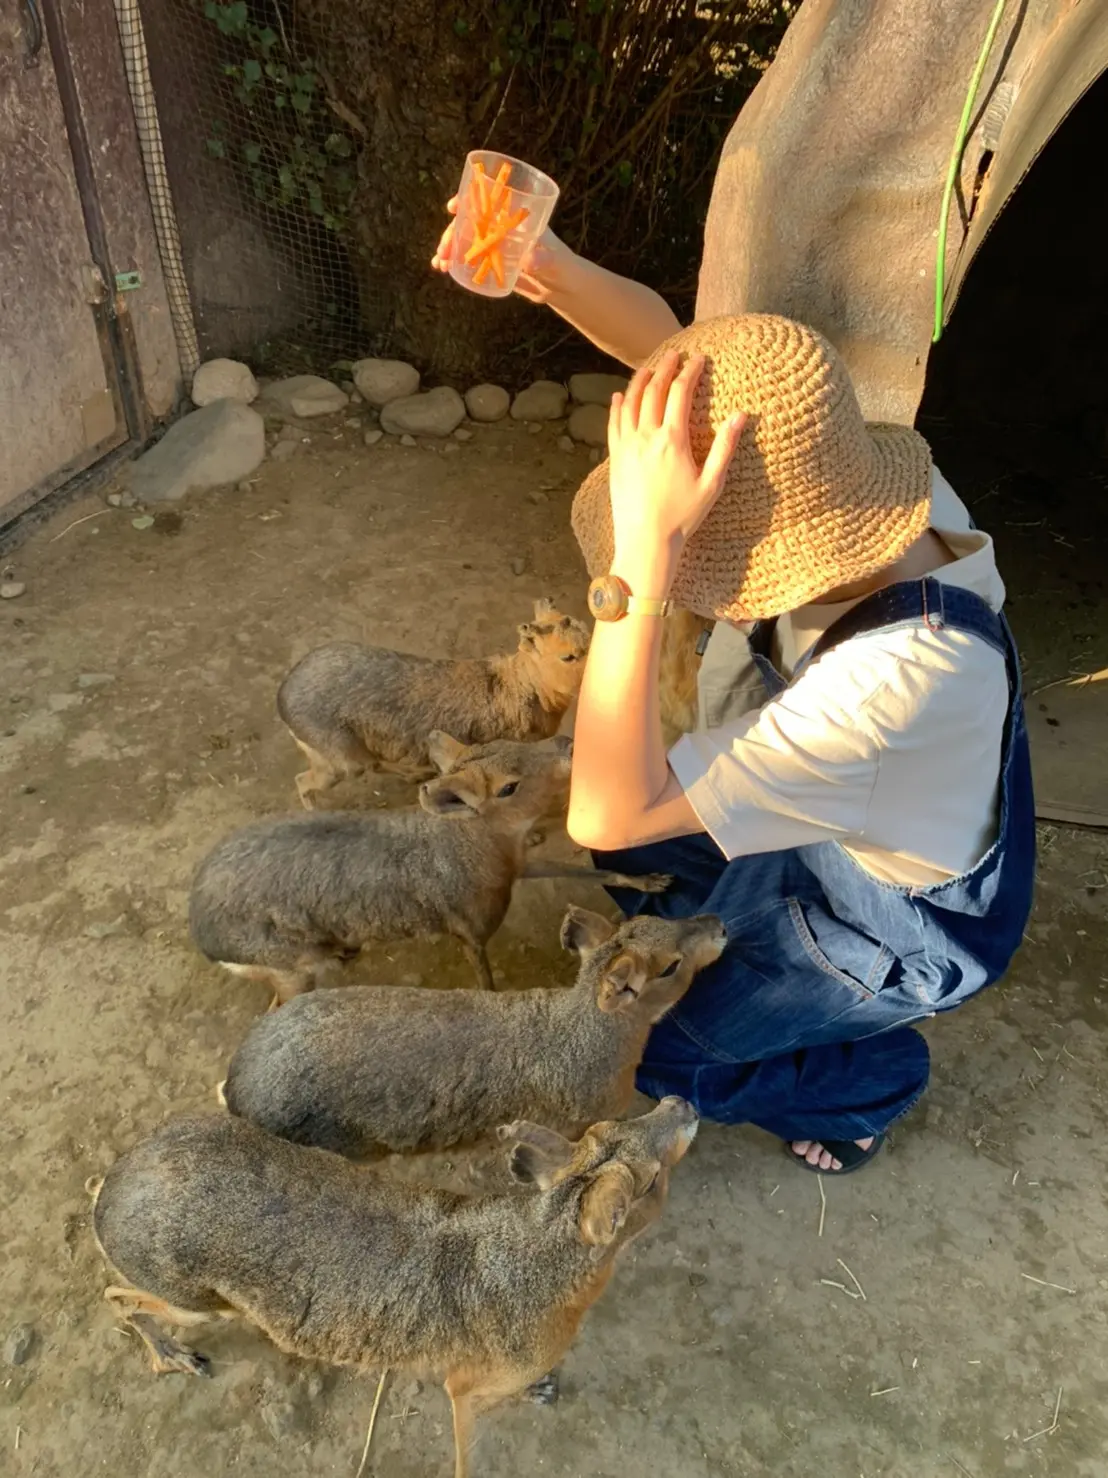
(654, 882)
(170, 1358)
(544, 1392)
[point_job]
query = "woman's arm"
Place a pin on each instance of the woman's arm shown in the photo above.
(623, 318)
(623, 791)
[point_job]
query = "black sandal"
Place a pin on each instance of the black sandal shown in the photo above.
(849, 1155)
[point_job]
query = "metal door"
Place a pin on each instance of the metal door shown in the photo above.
(60, 402)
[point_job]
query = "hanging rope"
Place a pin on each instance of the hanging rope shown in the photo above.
(956, 164)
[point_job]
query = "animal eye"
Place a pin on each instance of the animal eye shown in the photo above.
(570, 657)
(507, 790)
(671, 969)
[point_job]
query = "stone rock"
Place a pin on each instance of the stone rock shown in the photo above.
(451, 449)
(595, 455)
(304, 396)
(95, 679)
(488, 402)
(11, 589)
(115, 500)
(545, 400)
(223, 379)
(433, 413)
(282, 449)
(518, 566)
(210, 447)
(371, 438)
(595, 389)
(352, 421)
(463, 434)
(20, 1344)
(407, 440)
(382, 380)
(589, 423)
(566, 443)
(534, 428)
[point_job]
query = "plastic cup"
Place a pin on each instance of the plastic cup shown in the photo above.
(527, 189)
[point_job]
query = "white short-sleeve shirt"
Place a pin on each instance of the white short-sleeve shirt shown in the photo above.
(889, 743)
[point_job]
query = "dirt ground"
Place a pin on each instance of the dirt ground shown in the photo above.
(137, 682)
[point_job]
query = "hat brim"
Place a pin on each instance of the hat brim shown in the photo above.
(853, 537)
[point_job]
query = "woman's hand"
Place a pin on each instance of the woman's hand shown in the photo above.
(659, 495)
(542, 271)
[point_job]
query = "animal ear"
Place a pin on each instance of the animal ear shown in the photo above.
(605, 1205)
(544, 608)
(563, 744)
(582, 930)
(443, 750)
(526, 634)
(622, 983)
(536, 1154)
(439, 797)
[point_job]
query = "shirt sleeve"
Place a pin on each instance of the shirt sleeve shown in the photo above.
(801, 769)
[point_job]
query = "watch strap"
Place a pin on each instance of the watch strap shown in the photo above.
(640, 605)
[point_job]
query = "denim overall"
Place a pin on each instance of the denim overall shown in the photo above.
(801, 1027)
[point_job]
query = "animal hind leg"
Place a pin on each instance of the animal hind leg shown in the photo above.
(478, 957)
(143, 1313)
(471, 1392)
(283, 983)
(320, 776)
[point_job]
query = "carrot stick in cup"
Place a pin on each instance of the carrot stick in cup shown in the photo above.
(497, 264)
(499, 185)
(482, 272)
(481, 183)
(494, 236)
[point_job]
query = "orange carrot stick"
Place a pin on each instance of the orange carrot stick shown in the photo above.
(492, 238)
(500, 185)
(497, 264)
(481, 180)
(482, 272)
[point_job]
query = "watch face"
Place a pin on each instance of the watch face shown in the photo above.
(607, 598)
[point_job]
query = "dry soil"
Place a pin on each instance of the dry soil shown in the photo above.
(137, 681)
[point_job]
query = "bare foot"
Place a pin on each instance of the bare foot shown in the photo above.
(816, 1156)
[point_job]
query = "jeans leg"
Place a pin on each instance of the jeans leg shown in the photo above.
(774, 1033)
(844, 1090)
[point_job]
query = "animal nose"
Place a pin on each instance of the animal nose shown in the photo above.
(680, 1107)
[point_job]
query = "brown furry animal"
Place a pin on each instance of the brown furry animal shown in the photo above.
(350, 707)
(678, 668)
(408, 1069)
(212, 1218)
(280, 901)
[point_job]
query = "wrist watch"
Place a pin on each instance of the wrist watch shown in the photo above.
(610, 599)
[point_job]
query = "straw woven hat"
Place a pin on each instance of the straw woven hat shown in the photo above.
(815, 497)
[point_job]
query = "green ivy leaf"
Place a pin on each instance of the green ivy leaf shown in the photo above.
(562, 30)
(251, 153)
(251, 71)
(267, 39)
(301, 102)
(216, 149)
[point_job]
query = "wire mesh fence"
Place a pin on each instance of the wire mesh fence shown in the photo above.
(262, 172)
(309, 145)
